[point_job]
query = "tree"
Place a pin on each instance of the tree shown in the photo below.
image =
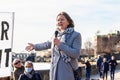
(88, 46)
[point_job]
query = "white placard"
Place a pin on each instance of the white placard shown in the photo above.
(6, 42)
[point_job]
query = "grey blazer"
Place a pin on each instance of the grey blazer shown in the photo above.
(71, 46)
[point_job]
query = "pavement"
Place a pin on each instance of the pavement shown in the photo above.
(96, 76)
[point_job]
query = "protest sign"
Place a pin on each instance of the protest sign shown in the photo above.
(6, 42)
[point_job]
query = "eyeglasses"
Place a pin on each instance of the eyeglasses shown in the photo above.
(16, 62)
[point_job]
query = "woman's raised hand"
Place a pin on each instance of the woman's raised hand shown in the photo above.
(30, 47)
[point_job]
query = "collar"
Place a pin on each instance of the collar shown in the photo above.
(67, 31)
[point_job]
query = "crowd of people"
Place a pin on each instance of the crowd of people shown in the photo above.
(27, 72)
(105, 65)
(24, 72)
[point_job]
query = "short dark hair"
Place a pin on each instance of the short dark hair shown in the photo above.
(30, 62)
(69, 19)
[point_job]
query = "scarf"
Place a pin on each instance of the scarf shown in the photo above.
(63, 39)
(67, 31)
(29, 75)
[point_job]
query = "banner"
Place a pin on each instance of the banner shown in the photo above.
(6, 40)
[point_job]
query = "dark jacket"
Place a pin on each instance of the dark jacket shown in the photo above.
(88, 65)
(99, 62)
(113, 64)
(36, 76)
(105, 66)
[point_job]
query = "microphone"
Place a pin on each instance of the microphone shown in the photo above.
(56, 33)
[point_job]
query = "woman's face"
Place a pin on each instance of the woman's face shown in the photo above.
(17, 63)
(62, 22)
(28, 65)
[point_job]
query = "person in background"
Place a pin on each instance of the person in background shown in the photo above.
(87, 69)
(31, 57)
(65, 46)
(113, 63)
(18, 68)
(99, 62)
(29, 73)
(105, 68)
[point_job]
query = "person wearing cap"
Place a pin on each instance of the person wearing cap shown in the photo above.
(18, 68)
(29, 72)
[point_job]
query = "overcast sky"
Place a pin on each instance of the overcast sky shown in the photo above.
(35, 20)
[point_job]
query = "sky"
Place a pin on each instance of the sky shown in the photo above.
(35, 20)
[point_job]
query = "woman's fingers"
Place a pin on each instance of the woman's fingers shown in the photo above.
(30, 47)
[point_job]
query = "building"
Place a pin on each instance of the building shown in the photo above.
(107, 43)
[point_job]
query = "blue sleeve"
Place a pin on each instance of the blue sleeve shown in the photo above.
(42, 46)
(73, 51)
